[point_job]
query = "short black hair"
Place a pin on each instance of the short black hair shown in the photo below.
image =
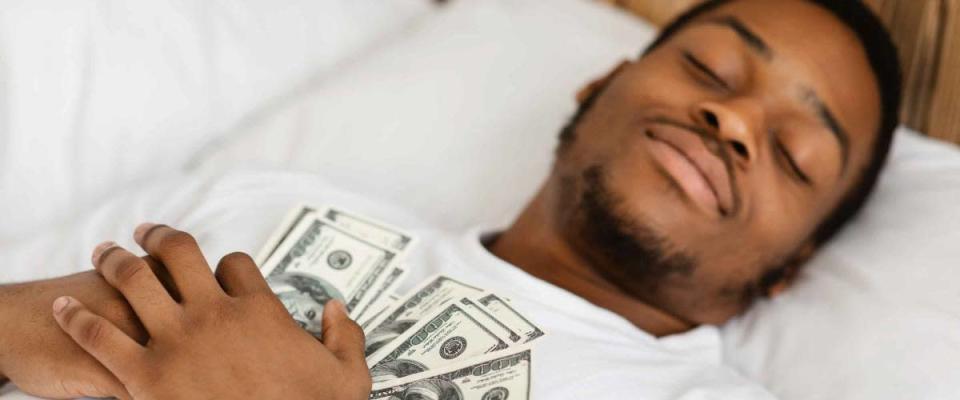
(882, 55)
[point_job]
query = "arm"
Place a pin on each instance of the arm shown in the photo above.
(36, 356)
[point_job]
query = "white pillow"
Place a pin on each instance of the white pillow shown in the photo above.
(98, 94)
(457, 122)
(876, 315)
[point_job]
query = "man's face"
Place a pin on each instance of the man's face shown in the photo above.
(712, 159)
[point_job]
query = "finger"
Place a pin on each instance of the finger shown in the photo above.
(342, 336)
(109, 386)
(238, 275)
(179, 253)
(121, 394)
(98, 337)
(164, 276)
(133, 277)
(103, 385)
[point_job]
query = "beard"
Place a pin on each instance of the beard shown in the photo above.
(627, 252)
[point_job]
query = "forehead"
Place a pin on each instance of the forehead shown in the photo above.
(812, 48)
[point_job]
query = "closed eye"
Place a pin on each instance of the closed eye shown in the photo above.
(792, 164)
(705, 70)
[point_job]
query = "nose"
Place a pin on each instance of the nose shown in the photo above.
(735, 126)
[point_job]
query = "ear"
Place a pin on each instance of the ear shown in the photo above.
(599, 83)
(792, 269)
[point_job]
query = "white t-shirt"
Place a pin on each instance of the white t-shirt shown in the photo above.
(588, 352)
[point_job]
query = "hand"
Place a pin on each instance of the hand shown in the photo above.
(229, 337)
(38, 357)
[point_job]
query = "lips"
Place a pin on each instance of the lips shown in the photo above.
(701, 174)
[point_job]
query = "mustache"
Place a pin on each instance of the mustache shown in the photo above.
(713, 144)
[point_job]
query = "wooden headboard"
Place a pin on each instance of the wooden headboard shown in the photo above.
(927, 33)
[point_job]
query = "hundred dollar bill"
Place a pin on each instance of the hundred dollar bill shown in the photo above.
(490, 321)
(377, 310)
(496, 376)
(502, 311)
(290, 221)
(385, 286)
(450, 334)
(375, 232)
(378, 233)
(319, 262)
(411, 308)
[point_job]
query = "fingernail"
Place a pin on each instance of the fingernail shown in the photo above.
(98, 251)
(60, 303)
(142, 230)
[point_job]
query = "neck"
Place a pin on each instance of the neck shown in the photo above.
(534, 244)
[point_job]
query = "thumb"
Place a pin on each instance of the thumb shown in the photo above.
(342, 336)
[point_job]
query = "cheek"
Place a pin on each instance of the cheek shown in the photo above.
(652, 86)
(657, 81)
(781, 216)
(647, 196)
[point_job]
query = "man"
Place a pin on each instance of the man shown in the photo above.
(690, 182)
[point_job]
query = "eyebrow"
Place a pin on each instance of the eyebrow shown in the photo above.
(753, 41)
(760, 47)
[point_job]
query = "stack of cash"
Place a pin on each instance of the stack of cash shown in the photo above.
(445, 339)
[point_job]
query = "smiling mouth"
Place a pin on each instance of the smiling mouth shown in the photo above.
(701, 174)
(703, 177)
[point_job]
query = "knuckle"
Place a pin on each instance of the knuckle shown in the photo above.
(233, 261)
(129, 270)
(92, 332)
(268, 301)
(176, 241)
(237, 258)
(354, 330)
